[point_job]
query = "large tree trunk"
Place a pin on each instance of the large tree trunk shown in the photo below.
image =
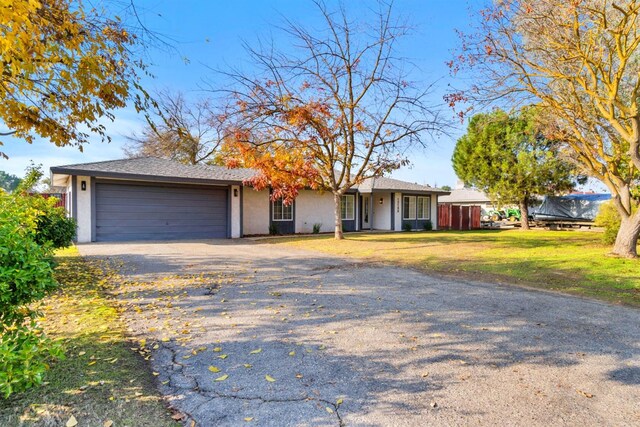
(524, 216)
(627, 239)
(337, 199)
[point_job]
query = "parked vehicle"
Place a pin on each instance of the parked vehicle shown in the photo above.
(573, 208)
(511, 214)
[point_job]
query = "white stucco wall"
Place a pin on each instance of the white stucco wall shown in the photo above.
(255, 211)
(83, 209)
(311, 208)
(235, 211)
(382, 212)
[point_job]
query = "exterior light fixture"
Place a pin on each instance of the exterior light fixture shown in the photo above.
(235, 192)
(83, 185)
(381, 200)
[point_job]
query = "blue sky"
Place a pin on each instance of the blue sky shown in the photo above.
(209, 34)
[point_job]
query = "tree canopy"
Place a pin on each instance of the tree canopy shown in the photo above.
(508, 158)
(190, 132)
(9, 182)
(578, 60)
(66, 65)
(334, 108)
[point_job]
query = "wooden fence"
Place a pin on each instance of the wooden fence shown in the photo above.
(457, 217)
(62, 198)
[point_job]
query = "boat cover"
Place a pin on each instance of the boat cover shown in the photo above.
(574, 207)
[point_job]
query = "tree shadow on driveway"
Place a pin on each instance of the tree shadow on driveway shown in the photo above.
(353, 343)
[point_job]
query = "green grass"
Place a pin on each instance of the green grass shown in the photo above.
(101, 379)
(567, 261)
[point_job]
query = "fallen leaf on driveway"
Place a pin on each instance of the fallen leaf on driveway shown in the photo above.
(214, 369)
(222, 378)
(339, 402)
(329, 410)
(292, 353)
(256, 351)
(247, 419)
(222, 356)
(248, 365)
(269, 378)
(217, 349)
(585, 394)
(72, 422)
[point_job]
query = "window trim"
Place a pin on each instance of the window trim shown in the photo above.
(273, 211)
(428, 209)
(353, 207)
(412, 215)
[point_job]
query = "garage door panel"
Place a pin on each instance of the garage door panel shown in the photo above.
(125, 237)
(132, 197)
(117, 211)
(127, 211)
(148, 222)
(182, 207)
(196, 231)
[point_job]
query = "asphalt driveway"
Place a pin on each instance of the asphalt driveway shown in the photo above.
(245, 333)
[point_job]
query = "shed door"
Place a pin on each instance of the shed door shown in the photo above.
(127, 211)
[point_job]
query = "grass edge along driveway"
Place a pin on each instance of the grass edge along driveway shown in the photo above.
(571, 262)
(101, 381)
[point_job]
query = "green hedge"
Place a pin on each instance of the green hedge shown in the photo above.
(31, 227)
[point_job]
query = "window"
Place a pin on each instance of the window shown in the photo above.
(423, 207)
(409, 207)
(347, 207)
(282, 212)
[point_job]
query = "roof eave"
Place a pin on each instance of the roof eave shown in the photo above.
(142, 177)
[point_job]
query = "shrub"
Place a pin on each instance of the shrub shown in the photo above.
(316, 228)
(427, 225)
(30, 228)
(406, 226)
(52, 225)
(24, 355)
(273, 229)
(609, 218)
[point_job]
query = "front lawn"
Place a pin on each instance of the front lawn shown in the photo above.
(101, 381)
(568, 261)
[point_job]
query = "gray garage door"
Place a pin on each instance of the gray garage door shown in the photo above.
(126, 211)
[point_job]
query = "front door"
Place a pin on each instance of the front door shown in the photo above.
(366, 212)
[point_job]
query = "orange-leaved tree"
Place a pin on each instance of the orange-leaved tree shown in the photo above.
(334, 108)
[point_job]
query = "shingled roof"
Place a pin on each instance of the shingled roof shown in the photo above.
(156, 168)
(466, 195)
(390, 184)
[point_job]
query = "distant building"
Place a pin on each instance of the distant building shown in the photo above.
(464, 196)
